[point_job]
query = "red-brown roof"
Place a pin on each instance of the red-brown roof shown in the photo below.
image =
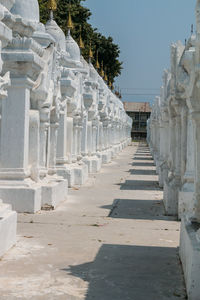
(137, 106)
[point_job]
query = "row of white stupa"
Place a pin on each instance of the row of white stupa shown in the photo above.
(174, 139)
(59, 120)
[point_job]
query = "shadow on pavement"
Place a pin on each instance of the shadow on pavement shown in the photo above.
(143, 158)
(130, 272)
(122, 272)
(138, 209)
(143, 164)
(142, 172)
(140, 185)
(143, 151)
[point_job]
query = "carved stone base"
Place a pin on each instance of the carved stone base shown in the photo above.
(67, 172)
(22, 197)
(106, 157)
(8, 227)
(93, 163)
(99, 155)
(157, 163)
(54, 192)
(76, 174)
(80, 174)
(185, 203)
(117, 148)
(112, 152)
(124, 144)
(162, 173)
(170, 198)
(190, 257)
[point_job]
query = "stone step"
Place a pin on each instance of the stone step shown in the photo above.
(4, 208)
(8, 227)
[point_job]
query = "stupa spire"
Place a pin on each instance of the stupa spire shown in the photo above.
(52, 6)
(102, 71)
(105, 75)
(97, 61)
(81, 43)
(70, 24)
(90, 53)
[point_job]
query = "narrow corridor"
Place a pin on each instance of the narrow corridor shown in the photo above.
(110, 241)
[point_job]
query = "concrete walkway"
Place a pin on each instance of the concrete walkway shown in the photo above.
(110, 241)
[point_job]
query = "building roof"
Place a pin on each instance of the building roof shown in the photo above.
(137, 106)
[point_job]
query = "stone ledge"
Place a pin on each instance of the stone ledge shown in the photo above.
(54, 193)
(93, 163)
(22, 199)
(190, 257)
(8, 227)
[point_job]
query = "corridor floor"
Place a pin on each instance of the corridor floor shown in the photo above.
(111, 240)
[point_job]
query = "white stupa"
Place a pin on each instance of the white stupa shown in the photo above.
(27, 9)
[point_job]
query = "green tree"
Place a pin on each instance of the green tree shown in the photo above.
(108, 51)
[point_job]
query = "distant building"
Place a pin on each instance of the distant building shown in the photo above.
(140, 113)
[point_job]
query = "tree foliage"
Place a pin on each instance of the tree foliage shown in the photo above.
(108, 51)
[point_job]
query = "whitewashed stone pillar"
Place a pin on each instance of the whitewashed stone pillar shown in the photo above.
(75, 139)
(34, 144)
(170, 191)
(62, 136)
(84, 148)
(53, 144)
(15, 142)
(105, 134)
(184, 121)
(44, 138)
(100, 136)
(196, 124)
(164, 166)
(94, 137)
(80, 127)
(8, 218)
(186, 195)
(190, 233)
(178, 146)
(70, 138)
(89, 137)
(15, 116)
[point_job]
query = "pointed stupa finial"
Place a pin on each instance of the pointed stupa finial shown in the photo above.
(97, 65)
(52, 6)
(70, 24)
(90, 53)
(105, 75)
(81, 43)
(102, 71)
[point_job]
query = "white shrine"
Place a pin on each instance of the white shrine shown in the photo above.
(59, 119)
(174, 139)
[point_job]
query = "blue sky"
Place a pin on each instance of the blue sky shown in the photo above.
(144, 30)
